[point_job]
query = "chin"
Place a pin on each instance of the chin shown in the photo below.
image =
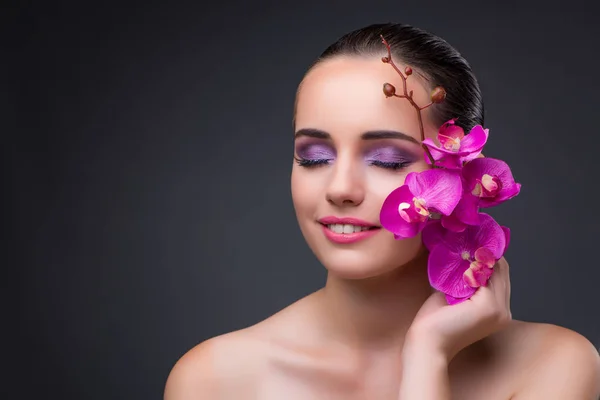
(356, 268)
(375, 256)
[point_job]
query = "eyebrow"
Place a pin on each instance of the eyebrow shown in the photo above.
(369, 135)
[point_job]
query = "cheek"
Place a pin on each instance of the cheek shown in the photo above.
(381, 182)
(405, 250)
(304, 190)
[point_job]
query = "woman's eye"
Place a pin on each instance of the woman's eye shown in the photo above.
(313, 154)
(390, 164)
(306, 162)
(389, 157)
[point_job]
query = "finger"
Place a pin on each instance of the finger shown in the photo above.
(503, 271)
(493, 294)
(503, 264)
(500, 277)
(506, 272)
(501, 283)
(497, 288)
(486, 294)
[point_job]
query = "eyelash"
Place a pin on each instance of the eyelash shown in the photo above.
(390, 165)
(303, 162)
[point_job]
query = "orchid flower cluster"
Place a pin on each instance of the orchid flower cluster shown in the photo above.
(443, 203)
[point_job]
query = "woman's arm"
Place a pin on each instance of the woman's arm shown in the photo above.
(424, 374)
(440, 331)
(567, 367)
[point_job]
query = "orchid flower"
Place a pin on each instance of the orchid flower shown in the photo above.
(487, 182)
(456, 147)
(443, 203)
(465, 213)
(490, 180)
(407, 209)
(459, 263)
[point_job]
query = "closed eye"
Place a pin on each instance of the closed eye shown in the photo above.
(390, 164)
(305, 162)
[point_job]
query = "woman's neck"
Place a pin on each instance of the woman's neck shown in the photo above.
(374, 312)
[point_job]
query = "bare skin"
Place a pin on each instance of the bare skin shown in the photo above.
(376, 330)
(271, 360)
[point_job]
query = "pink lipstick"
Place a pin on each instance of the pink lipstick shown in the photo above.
(347, 230)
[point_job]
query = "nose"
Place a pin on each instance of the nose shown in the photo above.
(346, 186)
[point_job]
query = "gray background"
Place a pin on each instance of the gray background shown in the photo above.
(148, 171)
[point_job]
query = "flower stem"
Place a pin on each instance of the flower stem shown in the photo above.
(409, 97)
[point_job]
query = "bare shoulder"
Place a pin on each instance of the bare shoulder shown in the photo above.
(554, 362)
(222, 367)
(233, 365)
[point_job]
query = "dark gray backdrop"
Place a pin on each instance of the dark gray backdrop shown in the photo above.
(149, 205)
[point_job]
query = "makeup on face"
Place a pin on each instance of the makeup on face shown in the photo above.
(315, 151)
(383, 154)
(389, 154)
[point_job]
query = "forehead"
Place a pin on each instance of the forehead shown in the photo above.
(344, 96)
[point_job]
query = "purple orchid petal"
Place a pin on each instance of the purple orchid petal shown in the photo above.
(441, 189)
(474, 170)
(447, 157)
(435, 151)
(452, 223)
(477, 276)
(453, 256)
(450, 135)
(505, 194)
(475, 140)
(470, 145)
(446, 141)
(450, 162)
(438, 152)
(471, 156)
(467, 209)
(450, 129)
(391, 219)
(487, 234)
(432, 234)
(445, 269)
(485, 256)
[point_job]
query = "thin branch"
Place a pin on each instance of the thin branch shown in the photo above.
(438, 95)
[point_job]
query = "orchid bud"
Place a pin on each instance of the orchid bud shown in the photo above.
(389, 90)
(408, 71)
(438, 94)
(385, 59)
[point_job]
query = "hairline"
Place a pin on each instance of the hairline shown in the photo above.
(359, 54)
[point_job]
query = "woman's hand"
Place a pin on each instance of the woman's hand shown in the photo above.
(439, 331)
(448, 329)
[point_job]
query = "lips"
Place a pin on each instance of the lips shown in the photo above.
(346, 221)
(347, 230)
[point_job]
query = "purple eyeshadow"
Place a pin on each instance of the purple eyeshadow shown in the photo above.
(389, 154)
(316, 152)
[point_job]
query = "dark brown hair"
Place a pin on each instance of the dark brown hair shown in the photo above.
(435, 59)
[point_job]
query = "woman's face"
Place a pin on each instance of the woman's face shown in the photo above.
(353, 146)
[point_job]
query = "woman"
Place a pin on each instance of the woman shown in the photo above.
(377, 330)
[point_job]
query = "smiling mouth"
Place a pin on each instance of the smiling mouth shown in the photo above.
(348, 228)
